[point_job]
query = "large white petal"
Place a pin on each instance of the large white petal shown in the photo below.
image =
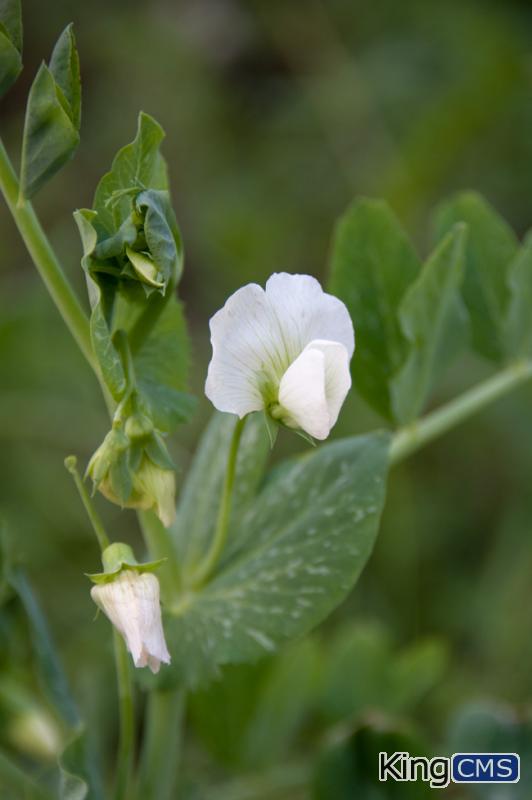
(305, 312)
(302, 394)
(247, 352)
(337, 375)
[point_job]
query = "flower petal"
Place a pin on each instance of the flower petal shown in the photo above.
(302, 394)
(258, 334)
(245, 358)
(305, 313)
(337, 375)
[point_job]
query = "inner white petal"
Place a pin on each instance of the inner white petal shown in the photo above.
(337, 375)
(302, 394)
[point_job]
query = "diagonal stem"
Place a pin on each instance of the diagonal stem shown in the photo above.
(415, 436)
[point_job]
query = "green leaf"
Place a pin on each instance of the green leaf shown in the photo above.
(10, 43)
(77, 778)
(434, 322)
(162, 234)
(373, 263)
(51, 128)
(161, 368)
(50, 669)
(102, 344)
(518, 322)
(491, 248)
(308, 535)
(200, 497)
(350, 768)
(137, 166)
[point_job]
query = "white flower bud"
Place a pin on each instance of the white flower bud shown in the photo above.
(131, 603)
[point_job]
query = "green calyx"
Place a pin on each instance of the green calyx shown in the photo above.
(118, 557)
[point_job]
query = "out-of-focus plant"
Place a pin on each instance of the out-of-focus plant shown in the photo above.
(247, 561)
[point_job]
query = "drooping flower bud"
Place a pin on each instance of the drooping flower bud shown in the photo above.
(128, 594)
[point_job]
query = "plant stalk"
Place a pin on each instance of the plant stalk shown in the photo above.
(161, 745)
(127, 722)
(420, 433)
(222, 524)
(45, 259)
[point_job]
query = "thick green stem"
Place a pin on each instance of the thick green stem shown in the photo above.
(161, 745)
(127, 721)
(413, 437)
(45, 259)
(160, 545)
(222, 524)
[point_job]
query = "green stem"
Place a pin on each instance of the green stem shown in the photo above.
(160, 545)
(127, 722)
(97, 524)
(45, 259)
(413, 437)
(161, 745)
(222, 523)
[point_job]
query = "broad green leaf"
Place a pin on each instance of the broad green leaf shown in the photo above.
(518, 322)
(350, 768)
(51, 128)
(434, 322)
(17, 784)
(200, 497)
(373, 264)
(162, 234)
(308, 536)
(136, 167)
(491, 248)
(10, 43)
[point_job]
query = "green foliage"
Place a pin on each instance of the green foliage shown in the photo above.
(490, 251)
(373, 264)
(350, 769)
(409, 320)
(434, 322)
(200, 497)
(306, 538)
(363, 672)
(53, 115)
(517, 336)
(10, 43)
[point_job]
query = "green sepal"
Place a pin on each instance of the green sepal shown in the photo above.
(272, 428)
(10, 43)
(53, 114)
(118, 557)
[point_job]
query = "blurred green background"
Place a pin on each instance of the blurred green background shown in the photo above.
(277, 114)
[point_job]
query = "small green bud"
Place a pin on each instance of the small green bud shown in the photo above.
(117, 557)
(113, 446)
(154, 488)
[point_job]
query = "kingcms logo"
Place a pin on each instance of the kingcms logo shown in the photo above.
(440, 771)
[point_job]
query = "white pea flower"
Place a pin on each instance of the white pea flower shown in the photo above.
(285, 349)
(131, 602)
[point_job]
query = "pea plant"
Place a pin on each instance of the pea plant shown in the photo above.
(247, 559)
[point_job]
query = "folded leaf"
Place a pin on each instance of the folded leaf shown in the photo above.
(491, 249)
(10, 43)
(308, 535)
(51, 128)
(433, 320)
(137, 166)
(517, 334)
(373, 264)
